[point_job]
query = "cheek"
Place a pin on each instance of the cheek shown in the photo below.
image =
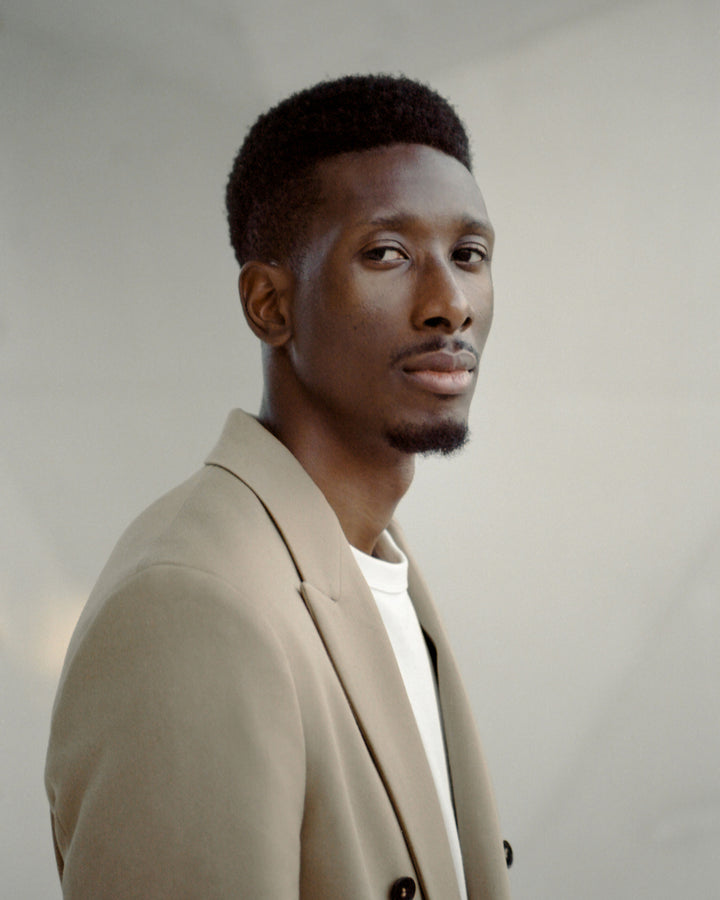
(486, 317)
(345, 324)
(359, 328)
(332, 348)
(484, 307)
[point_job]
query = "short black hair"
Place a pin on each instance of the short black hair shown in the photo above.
(272, 184)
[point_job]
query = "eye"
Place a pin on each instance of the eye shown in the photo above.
(385, 253)
(470, 253)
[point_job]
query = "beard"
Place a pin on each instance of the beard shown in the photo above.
(443, 438)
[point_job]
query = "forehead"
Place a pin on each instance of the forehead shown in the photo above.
(401, 181)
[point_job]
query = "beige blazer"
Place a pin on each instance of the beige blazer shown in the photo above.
(231, 721)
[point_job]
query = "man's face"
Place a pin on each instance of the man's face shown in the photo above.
(393, 300)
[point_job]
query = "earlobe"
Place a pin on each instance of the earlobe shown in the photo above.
(265, 292)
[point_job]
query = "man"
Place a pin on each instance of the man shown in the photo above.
(259, 699)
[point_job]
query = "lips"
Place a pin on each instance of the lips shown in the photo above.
(443, 372)
(442, 361)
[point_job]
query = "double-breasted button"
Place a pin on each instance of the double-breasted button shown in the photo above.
(403, 889)
(508, 853)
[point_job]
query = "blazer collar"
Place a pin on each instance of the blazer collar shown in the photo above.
(302, 515)
(352, 631)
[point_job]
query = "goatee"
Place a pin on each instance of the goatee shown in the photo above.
(443, 438)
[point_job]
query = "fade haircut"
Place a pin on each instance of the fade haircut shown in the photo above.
(273, 184)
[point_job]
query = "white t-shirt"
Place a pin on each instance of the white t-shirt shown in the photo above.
(388, 581)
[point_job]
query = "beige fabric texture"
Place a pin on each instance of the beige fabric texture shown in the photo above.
(231, 722)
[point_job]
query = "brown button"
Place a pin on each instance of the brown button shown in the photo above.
(403, 889)
(508, 853)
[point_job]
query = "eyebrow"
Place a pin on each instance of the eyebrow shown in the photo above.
(401, 220)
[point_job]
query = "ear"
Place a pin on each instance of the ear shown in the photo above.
(265, 294)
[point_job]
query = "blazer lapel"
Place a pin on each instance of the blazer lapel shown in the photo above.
(354, 636)
(476, 814)
(357, 643)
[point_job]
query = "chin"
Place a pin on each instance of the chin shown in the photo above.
(439, 437)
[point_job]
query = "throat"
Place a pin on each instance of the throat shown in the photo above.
(363, 481)
(364, 500)
(363, 490)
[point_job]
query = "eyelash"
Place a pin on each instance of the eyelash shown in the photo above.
(481, 252)
(375, 254)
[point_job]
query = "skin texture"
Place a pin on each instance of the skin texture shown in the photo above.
(395, 267)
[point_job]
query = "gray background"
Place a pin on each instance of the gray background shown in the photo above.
(574, 547)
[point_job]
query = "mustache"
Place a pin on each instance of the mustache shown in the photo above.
(432, 345)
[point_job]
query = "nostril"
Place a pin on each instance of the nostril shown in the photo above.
(437, 322)
(442, 322)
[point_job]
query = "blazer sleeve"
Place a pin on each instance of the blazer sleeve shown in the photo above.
(176, 763)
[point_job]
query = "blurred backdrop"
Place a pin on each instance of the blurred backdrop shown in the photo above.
(587, 507)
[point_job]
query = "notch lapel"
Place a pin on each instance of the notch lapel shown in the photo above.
(352, 631)
(478, 827)
(357, 643)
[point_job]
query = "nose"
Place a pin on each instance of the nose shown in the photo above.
(442, 302)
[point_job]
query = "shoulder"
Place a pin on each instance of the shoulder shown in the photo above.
(213, 523)
(210, 522)
(204, 551)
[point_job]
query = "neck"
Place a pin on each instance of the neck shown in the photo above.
(362, 485)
